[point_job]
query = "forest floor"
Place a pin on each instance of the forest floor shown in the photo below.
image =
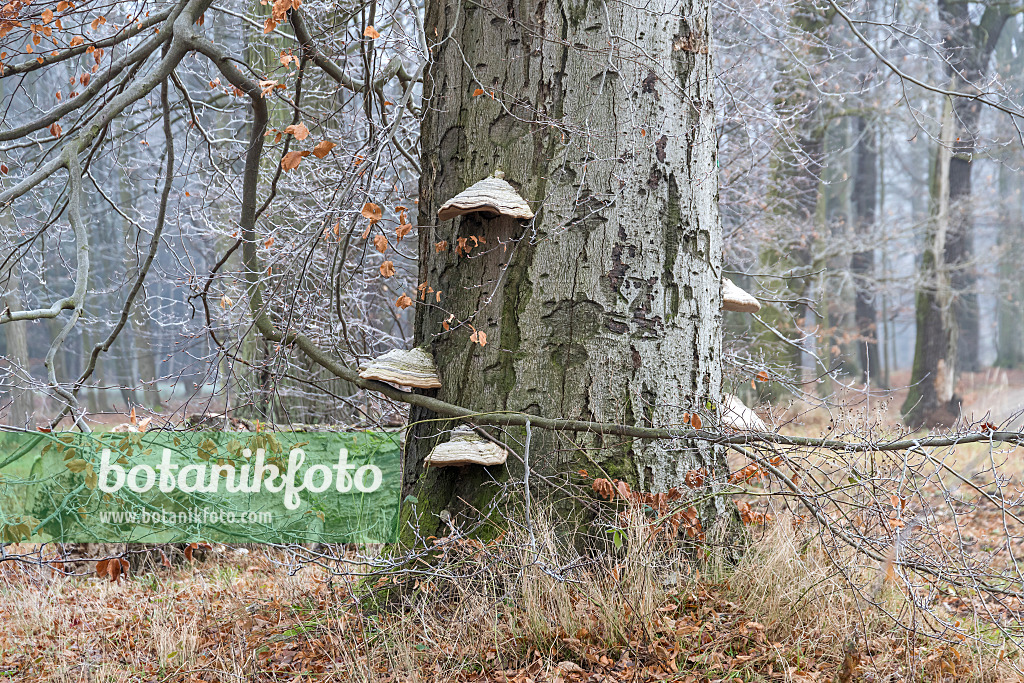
(781, 615)
(791, 610)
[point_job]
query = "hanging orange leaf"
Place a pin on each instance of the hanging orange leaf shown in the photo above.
(47, 16)
(478, 92)
(291, 160)
(371, 33)
(225, 301)
(403, 301)
(387, 269)
(372, 212)
(440, 246)
(299, 130)
(62, 5)
(478, 337)
(3, 168)
(695, 421)
(323, 148)
(269, 242)
(402, 231)
(762, 376)
(381, 242)
(55, 129)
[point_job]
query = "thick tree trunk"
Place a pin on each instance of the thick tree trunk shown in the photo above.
(606, 306)
(862, 263)
(931, 396)
(796, 196)
(968, 49)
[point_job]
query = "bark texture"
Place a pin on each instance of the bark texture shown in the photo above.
(606, 306)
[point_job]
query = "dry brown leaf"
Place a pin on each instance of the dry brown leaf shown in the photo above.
(371, 33)
(372, 212)
(291, 160)
(387, 269)
(403, 301)
(299, 130)
(381, 242)
(323, 148)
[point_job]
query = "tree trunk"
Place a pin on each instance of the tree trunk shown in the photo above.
(796, 196)
(22, 411)
(862, 263)
(967, 49)
(606, 306)
(1010, 298)
(931, 397)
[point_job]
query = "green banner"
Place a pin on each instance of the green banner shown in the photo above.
(227, 487)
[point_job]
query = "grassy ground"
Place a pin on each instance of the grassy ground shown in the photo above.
(784, 614)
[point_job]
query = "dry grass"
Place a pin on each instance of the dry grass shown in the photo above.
(484, 612)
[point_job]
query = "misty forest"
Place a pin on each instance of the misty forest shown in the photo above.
(699, 326)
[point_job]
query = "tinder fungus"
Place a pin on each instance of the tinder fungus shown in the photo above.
(735, 299)
(466, 447)
(491, 195)
(413, 368)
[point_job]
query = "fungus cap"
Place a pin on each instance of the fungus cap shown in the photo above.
(412, 368)
(466, 447)
(735, 299)
(491, 195)
(738, 416)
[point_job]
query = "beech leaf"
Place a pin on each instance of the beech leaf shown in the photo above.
(372, 211)
(299, 130)
(323, 148)
(291, 160)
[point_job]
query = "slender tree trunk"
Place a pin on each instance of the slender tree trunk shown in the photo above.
(605, 307)
(1010, 299)
(862, 264)
(22, 411)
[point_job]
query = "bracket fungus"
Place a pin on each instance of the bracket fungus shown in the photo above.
(737, 416)
(491, 195)
(414, 368)
(466, 447)
(736, 299)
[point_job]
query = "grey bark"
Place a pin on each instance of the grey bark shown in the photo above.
(22, 410)
(968, 50)
(606, 306)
